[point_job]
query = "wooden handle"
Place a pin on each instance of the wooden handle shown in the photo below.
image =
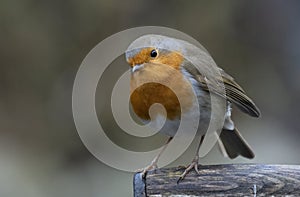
(221, 180)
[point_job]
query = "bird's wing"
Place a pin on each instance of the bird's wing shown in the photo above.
(233, 92)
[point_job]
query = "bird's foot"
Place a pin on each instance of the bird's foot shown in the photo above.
(194, 164)
(144, 171)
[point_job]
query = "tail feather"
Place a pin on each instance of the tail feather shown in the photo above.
(235, 144)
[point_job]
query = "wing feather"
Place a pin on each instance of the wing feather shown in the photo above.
(233, 92)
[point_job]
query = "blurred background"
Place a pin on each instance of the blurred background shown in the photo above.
(42, 44)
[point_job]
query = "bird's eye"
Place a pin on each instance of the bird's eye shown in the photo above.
(153, 53)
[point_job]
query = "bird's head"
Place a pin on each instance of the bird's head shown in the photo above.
(138, 58)
(154, 50)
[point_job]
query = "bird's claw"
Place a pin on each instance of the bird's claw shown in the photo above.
(144, 171)
(194, 164)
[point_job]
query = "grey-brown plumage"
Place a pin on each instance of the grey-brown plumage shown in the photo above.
(233, 92)
(231, 140)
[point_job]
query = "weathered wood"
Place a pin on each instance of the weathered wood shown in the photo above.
(221, 180)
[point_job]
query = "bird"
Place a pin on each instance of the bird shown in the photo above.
(188, 69)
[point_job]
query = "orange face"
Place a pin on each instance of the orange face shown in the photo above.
(164, 67)
(155, 56)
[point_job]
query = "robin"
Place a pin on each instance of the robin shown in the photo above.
(167, 60)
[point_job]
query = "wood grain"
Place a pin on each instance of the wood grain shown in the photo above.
(221, 180)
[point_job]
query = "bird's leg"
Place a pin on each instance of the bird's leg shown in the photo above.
(194, 163)
(153, 164)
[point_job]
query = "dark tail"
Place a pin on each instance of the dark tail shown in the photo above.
(235, 144)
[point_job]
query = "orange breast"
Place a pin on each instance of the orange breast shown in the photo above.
(143, 96)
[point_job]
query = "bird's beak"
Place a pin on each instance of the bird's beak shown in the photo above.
(137, 67)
